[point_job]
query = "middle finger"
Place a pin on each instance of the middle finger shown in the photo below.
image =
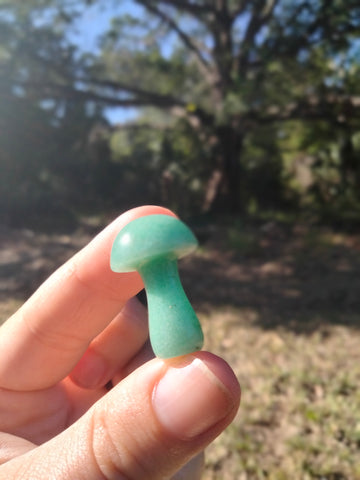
(110, 351)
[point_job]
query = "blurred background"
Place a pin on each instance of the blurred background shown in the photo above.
(244, 117)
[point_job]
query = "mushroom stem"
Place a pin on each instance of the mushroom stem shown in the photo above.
(174, 327)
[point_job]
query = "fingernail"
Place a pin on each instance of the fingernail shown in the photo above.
(190, 399)
(90, 372)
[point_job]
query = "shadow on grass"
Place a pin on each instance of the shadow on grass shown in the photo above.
(295, 278)
(295, 282)
(27, 258)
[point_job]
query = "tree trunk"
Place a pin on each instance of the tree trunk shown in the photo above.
(223, 192)
(349, 165)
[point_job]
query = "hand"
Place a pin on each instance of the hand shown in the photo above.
(58, 354)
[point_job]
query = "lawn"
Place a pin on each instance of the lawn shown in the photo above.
(300, 411)
(280, 303)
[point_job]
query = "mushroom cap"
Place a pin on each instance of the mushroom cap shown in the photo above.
(148, 238)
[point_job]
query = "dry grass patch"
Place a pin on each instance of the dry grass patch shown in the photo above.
(8, 307)
(280, 304)
(300, 412)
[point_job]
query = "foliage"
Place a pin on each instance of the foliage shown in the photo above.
(230, 79)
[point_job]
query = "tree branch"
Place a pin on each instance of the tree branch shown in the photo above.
(189, 7)
(73, 93)
(240, 9)
(139, 95)
(148, 95)
(333, 107)
(221, 28)
(186, 39)
(303, 39)
(133, 126)
(262, 12)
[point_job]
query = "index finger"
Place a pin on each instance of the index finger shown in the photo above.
(41, 343)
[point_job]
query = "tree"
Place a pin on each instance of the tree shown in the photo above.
(224, 67)
(44, 138)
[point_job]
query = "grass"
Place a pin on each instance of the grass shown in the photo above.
(8, 307)
(300, 412)
(281, 305)
(245, 243)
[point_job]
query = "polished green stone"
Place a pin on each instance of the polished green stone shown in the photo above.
(174, 327)
(151, 245)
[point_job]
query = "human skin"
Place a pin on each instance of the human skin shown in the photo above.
(80, 330)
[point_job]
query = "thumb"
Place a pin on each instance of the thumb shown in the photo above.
(147, 427)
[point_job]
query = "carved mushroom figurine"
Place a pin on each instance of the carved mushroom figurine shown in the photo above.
(152, 245)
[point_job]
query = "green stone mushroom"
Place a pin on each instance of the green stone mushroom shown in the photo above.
(151, 245)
